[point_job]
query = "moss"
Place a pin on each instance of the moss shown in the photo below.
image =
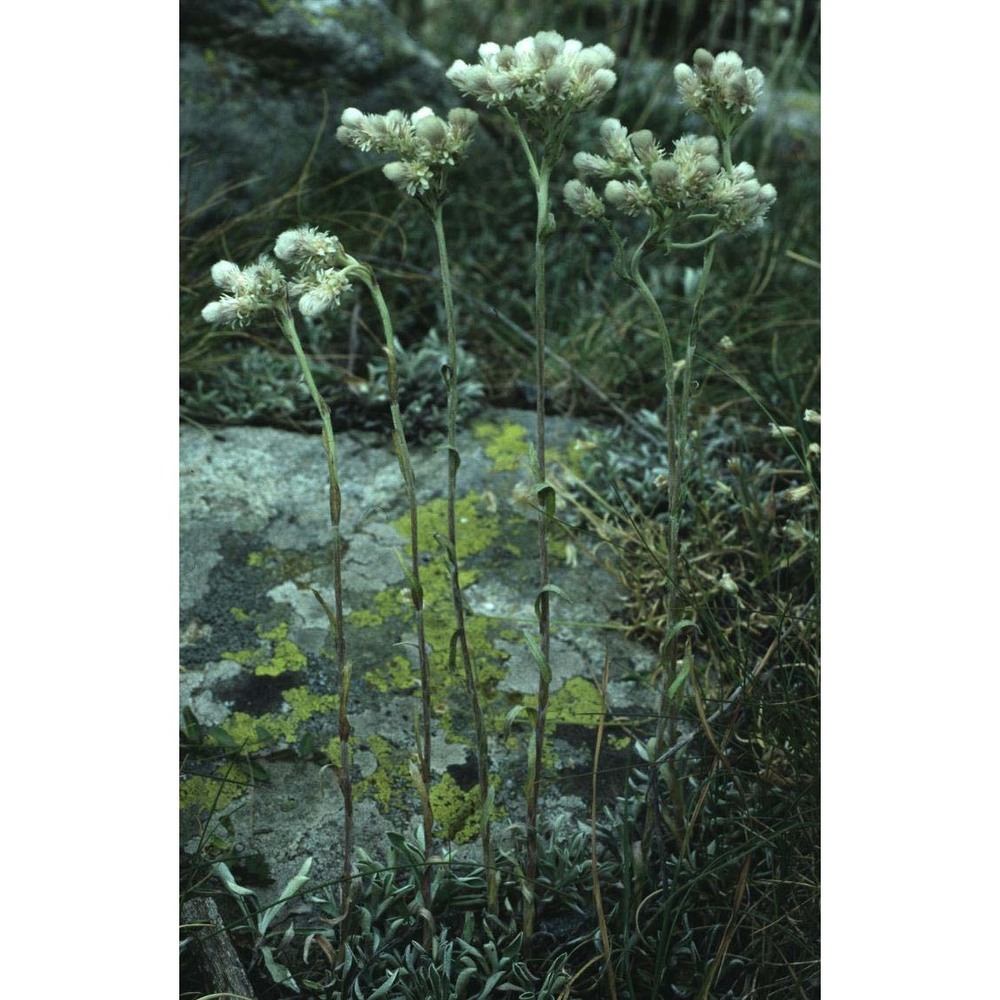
(505, 443)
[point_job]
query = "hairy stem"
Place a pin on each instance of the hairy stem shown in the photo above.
(460, 637)
(336, 616)
(546, 499)
(416, 589)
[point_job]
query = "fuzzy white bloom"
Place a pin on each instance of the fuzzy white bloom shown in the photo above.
(425, 144)
(226, 275)
(545, 75)
(614, 138)
(719, 88)
(252, 289)
(411, 176)
(770, 15)
(740, 199)
(307, 246)
(631, 198)
(811, 416)
(588, 164)
(583, 200)
(798, 494)
(321, 291)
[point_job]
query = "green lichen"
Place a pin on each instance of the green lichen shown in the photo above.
(389, 784)
(212, 793)
(277, 655)
(396, 675)
(505, 443)
(363, 618)
(298, 565)
(456, 812)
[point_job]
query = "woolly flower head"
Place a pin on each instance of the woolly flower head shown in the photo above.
(425, 144)
(642, 180)
(248, 290)
(307, 246)
(544, 75)
(740, 199)
(719, 88)
(324, 268)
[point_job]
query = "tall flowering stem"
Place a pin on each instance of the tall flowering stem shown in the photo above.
(538, 85)
(262, 287)
(427, 147)
(697, 184)
(460, 638)
(423, 776)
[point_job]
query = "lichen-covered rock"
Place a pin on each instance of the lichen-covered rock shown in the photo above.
(261, 81)
(258, 674)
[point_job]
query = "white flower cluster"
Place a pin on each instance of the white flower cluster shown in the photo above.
(541, 75)
(247, 291)
(642, 180)
(322, 278)
(321, 260)
(719, 88)
(425, 144)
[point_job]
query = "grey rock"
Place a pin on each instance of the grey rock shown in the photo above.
(261, 82)
(255, 538)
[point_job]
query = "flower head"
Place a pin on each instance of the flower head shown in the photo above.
(719, 88)
(544, 75)
(425, 144)
(324, 268)
(308, 246)
(249, 290)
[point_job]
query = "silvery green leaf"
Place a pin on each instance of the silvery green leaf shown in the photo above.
(223, 872)
(278, 972)
(290, 890)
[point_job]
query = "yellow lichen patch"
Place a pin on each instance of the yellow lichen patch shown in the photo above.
(205, 794)
(396, 675)
(363, 618)
(252, 733)
(389, 784)
(505, 444)
(576, 703)
(475, 527)
(276, 655)
(456, 813)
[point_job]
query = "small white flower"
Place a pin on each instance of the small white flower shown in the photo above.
(226, 275)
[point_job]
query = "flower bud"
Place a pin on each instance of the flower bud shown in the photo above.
(704, 62)
(352, 118)
(615, 193)
(431, 129)
(226, 275)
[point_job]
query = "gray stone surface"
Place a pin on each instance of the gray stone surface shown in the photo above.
(254, 540)
(258, 78)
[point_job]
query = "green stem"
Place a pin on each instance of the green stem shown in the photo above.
(460, 636)
(287, 324)
(367, 276)
(546, 503)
